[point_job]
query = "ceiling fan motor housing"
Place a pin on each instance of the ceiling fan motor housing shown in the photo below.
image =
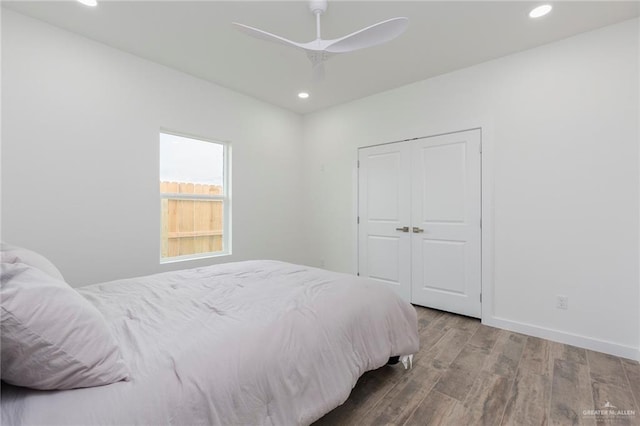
(318, 6)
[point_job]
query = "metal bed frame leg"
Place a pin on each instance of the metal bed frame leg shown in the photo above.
(407, 361)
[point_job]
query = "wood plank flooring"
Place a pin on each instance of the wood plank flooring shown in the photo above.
(469, 374)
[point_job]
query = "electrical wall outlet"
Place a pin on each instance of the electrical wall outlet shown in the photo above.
(562, 302)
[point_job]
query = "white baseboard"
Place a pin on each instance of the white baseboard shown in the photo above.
(580, 341)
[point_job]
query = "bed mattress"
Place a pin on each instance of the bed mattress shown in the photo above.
(246, 343)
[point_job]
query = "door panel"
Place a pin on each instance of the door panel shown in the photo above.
(383, 188)
(443, 183)
(446, 250)
(384, 253)
(443, 265)
(388, 250)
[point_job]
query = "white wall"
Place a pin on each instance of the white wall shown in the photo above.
(561, 138)
(80, 155)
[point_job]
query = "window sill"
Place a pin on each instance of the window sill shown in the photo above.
(198, 256)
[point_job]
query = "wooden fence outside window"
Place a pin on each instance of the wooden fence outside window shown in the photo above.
(191, 226)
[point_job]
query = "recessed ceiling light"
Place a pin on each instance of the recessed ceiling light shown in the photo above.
(89, 2)
(303, 95)
(540, 11)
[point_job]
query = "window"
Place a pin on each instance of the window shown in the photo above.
(194, 195)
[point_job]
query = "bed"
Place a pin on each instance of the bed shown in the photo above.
(245, 343)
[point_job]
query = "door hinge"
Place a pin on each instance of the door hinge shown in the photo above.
(358, 274)
(481, 148)
(480, 223)
(358, 220)
(358, 163)
(480, 297)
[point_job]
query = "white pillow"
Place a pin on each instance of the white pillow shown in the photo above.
(51, 337)
(13, 254)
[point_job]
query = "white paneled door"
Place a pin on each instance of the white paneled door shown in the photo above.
(431, 186)
(445, 221)
(384, 215)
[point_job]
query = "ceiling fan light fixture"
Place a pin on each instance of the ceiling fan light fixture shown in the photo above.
(303, 95)
(540, 11)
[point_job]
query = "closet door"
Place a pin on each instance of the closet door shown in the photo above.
(446, 211)
(384, 238)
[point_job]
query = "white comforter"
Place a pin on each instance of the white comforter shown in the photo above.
(247, 343)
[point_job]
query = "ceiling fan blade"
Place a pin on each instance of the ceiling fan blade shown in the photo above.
(373, 35)
(263, 35)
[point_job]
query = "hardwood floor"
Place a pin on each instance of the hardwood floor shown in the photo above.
(469, 374)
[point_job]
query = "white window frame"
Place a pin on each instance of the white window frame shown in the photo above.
(225, 197)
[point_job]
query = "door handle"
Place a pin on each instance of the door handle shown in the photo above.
(403, 229)
(417, 230)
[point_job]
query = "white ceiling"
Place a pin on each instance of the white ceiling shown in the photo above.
(197, 37)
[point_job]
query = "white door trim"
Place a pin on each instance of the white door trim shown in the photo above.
(485, 124)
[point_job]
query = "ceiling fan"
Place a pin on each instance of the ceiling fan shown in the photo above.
(319, 50)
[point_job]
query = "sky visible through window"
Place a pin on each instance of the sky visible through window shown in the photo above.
(185, 159)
